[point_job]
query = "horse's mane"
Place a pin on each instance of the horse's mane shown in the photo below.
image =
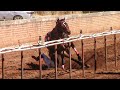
(58, 31)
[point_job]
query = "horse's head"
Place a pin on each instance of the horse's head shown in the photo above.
(63, 26)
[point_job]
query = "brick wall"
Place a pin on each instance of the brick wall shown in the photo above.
(27, 31)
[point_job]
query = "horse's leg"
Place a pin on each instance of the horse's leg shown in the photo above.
(51, 51)
(79, 58)
(59, 55)
(76, 51)
(59, 59)
(63, 61)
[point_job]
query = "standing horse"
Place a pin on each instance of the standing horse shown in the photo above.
(60, 31)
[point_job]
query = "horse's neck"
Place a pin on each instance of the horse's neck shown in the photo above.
(55, 34)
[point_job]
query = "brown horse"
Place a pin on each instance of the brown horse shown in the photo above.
(60, 31)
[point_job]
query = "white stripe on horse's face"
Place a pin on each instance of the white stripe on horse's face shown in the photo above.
(64, 24)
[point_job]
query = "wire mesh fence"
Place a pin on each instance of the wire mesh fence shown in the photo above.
(26, 33)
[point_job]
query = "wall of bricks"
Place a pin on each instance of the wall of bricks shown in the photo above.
(28, 31)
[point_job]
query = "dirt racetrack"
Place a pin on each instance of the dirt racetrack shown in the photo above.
(12, 63)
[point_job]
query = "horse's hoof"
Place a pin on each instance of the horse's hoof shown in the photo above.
(87, 66)
(63, 67)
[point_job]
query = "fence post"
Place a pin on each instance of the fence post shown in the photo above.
(83, 58)
(55, 61)
(70, 60)
(80, 33)
(2, 66)
(115, 48)
(82, 55)
(40, 64)
(95, 56)
(21, 64)
(105, 52)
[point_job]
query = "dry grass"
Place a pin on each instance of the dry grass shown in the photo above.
(56, 12)
(62, 12)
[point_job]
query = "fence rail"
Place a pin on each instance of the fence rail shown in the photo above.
(56, 42)
(62, 41)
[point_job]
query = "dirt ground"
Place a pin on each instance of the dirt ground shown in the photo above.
(12, 63)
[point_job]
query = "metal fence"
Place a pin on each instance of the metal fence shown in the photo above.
(62, 41)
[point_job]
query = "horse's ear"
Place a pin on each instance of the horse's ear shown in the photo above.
(57, 19)
(64, 18)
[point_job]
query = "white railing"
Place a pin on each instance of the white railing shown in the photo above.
(56, 42)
